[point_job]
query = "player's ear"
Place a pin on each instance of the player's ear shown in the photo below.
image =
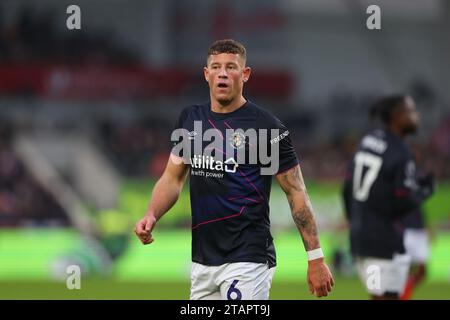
(246, 74)
(206, 73)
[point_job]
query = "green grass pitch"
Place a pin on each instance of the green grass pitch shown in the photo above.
(178, 290)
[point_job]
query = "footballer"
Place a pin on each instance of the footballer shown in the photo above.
(233, 254)
(380, 189)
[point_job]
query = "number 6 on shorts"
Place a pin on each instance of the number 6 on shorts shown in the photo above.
(233, 289)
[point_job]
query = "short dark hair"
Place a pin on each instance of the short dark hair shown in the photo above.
(227, 46)
(384, 108)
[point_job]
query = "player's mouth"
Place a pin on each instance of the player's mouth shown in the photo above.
(222, 85)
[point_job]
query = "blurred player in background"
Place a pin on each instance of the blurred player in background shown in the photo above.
(232, 249)
(415, 237)
(381, 187)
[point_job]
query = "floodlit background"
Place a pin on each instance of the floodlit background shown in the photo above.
(86, 116)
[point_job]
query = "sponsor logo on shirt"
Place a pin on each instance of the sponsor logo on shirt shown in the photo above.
(207, 162)
(280, 137)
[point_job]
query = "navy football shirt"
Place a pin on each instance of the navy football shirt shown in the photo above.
(415, 219)
(380, 189)
(229, 195)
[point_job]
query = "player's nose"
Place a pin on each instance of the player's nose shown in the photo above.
(223, 73)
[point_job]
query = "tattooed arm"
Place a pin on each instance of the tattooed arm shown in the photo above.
(320, 279)
(292, 184)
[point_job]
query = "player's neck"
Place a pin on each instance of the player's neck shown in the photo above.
(217, 107)
(396, 131)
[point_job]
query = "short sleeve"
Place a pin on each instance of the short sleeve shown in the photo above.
(280, 141)
(287, 155)
(178, 134)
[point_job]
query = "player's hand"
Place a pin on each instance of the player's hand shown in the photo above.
(320, 279)
(427, 184)
(144, 229)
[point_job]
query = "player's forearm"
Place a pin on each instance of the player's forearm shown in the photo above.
(304, 219)
(165, 194)
(293, 185)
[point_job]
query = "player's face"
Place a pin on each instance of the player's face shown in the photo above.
(409, 117)
(226, 74)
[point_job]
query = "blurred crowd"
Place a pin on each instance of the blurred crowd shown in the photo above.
(34, 38)
(137, 148)
(23, 202)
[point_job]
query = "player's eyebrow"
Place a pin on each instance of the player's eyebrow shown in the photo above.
(227, 64)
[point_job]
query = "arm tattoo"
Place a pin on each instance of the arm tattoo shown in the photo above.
(300, 204)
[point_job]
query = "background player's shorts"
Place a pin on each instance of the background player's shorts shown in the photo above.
(231, 281)
(416, 244)
(382, 276)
